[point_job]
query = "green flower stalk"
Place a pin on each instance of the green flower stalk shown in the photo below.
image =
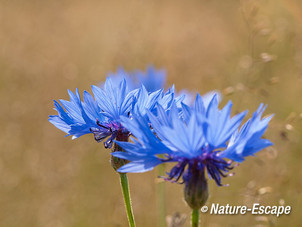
(116, 163)
(127, 199)
(195, 218)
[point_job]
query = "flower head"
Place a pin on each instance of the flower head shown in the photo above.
(152, 79)
(121, 75)
(202, 139)
(102, 114)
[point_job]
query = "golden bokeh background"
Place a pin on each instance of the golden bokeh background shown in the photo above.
(250, 50)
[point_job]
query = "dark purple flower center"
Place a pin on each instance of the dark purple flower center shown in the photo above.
(113, 130)
(186, 168)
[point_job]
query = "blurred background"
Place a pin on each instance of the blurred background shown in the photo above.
(249, 50)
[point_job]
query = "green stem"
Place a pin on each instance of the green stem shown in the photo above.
(195, 218)
(161, 198)
(126, 194)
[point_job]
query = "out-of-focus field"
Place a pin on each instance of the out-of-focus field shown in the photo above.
(249, 50)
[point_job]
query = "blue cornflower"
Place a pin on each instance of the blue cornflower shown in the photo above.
(152, 79)
(199, 139)
(102, 114)
(155, 80)
(121, 75)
